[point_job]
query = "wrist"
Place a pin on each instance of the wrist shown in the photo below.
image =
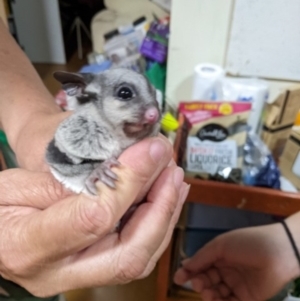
(291, 261)
(293, 224)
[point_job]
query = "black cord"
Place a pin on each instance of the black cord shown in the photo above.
(289, 234)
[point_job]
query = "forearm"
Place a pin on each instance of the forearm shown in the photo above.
(22, 93)
(293, 223)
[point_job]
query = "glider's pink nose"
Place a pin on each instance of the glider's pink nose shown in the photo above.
(151, 115)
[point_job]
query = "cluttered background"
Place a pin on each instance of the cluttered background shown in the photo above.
(227, 75)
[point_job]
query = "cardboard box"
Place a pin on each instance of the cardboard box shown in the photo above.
(283, 111)
(297, 122)
(279, 118)
(276, 139)
(290, 159)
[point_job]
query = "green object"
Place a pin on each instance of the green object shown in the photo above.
(157, 75)
(169, 123)
(18, 293)
(7, 152)
(296, 289)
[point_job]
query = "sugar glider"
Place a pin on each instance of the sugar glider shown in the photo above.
(114, 110)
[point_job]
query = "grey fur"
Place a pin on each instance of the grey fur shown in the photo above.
(87, 143)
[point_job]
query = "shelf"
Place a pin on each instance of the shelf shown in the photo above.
(263, 200)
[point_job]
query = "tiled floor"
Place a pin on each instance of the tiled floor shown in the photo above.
(142, 290)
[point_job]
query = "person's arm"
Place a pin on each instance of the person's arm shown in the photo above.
(22, 93)
(250, 264)
(28, 112)
(51, 243)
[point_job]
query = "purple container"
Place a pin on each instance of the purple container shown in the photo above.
(155, 44)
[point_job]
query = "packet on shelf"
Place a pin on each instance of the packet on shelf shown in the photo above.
(217, 134)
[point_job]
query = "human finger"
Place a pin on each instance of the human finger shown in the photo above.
(213, 275)
(182, 197)
(157, 214)
(209, 295)
(125, 256)
(205, 258)
(223, 290)
(198, 284)
(127, 158)
(85, 219)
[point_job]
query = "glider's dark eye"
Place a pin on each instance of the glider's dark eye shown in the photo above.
(125, 93)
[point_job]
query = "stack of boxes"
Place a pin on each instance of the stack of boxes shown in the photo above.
(279, 119)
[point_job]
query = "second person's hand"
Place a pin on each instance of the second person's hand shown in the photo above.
(250, 264)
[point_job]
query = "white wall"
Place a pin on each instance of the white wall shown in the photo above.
(39, 30)
(201, 32)
(265, 39)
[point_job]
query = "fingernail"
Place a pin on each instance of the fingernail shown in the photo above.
(188, 285)
(185, 261)
(184, 193)
(178, 178)
(157, 150)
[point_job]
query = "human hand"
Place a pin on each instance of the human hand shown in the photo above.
(51, 245)
(250, 264)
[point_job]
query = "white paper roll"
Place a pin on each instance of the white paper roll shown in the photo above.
(296, 166)
(247, 89)
(207, 82)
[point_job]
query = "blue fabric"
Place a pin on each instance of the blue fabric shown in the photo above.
(268, 175)
(96, 68)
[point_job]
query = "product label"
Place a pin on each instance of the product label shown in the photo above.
(212, 132)
(199, 111)
(209, 156)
